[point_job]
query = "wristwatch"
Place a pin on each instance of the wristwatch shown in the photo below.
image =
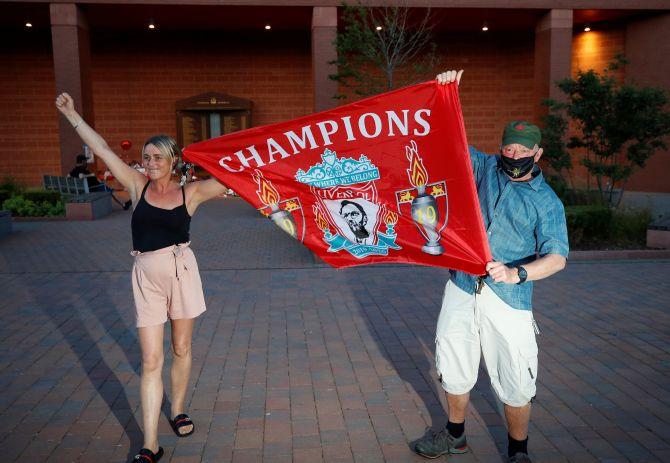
(522, 274)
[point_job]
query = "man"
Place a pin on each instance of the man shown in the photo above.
(356, 218)
(491, 315)
(80, 170)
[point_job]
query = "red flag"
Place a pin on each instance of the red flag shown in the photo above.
(385, 179)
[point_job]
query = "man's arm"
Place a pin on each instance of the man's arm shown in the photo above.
(541, 268)
(552, 245)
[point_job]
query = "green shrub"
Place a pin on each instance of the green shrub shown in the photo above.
(22, 207)
(629, 228)
(39, 195)
(13, 186)
(587, 225)
(4, 194)
(56, 209)
(597, 227)
(570, 196)
(583, 198)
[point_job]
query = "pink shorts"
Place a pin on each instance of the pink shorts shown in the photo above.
(166, 285)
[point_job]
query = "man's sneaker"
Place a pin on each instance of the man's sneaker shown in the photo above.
(435, 445)
(519, 457)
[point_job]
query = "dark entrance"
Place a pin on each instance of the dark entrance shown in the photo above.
(211, 115)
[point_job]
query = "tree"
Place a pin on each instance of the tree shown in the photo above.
(619, 126)
(380, 49)
(554, 147)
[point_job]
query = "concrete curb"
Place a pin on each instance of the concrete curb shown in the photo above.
(620, 254)
(56, 218)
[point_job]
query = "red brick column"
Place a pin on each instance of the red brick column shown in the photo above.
(553, 54)
(72, 66)
(324, 31)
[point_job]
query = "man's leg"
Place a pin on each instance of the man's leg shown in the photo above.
(510, 354)
(458, 403)
(517, 431)
(457, 354)
(517, 421)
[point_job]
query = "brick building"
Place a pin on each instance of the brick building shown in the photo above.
(128, 79)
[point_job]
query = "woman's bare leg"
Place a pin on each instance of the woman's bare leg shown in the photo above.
(182, 334)
(151, 385)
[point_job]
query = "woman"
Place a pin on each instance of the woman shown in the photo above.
(165, 277)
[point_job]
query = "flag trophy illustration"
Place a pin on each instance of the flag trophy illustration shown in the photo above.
(321, 221)
(388, 238)
(269, 196)
(424, 206)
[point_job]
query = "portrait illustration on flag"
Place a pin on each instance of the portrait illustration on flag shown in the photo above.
(385, 179)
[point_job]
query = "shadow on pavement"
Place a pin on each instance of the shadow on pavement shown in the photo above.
(406, 337)
(65, 315)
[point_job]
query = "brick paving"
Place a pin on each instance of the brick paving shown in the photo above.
(298, 362)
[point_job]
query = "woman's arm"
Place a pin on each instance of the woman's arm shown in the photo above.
(202, 191)
(130, 178)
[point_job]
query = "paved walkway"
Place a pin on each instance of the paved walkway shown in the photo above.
(295, 361)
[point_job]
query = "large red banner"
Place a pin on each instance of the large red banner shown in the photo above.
(385, 179)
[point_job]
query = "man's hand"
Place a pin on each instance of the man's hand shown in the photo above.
(449, 77)
(501, 273)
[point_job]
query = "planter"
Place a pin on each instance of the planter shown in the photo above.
(40, 218)
(5, 223)
(91, 206)
(658, 234)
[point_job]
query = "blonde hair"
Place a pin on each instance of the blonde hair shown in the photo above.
(167, 147)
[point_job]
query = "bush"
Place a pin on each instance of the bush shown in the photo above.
(40, 195)
(12, 186)
(573, 197)
(587, 225)
(629, 228)
(5, 194)
(22, 207)
(597, 227)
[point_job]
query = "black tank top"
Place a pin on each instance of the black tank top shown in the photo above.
(155, 228)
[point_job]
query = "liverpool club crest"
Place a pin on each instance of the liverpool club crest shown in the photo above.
(347, 208)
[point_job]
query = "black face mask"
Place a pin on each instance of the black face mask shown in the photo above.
(517, 168)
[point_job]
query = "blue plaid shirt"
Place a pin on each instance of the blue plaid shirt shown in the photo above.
(522, 220)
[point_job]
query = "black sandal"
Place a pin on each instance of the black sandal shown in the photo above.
(179, 422)
(147, 456)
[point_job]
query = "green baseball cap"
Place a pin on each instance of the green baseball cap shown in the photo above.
(523, 133)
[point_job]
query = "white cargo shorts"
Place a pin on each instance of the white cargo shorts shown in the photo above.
(472, 325)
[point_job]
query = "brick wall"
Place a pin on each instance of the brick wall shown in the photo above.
(647, 49)
(497, 83)
(136, 83)
(28, 131)
(137, 80)
(596, 49)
